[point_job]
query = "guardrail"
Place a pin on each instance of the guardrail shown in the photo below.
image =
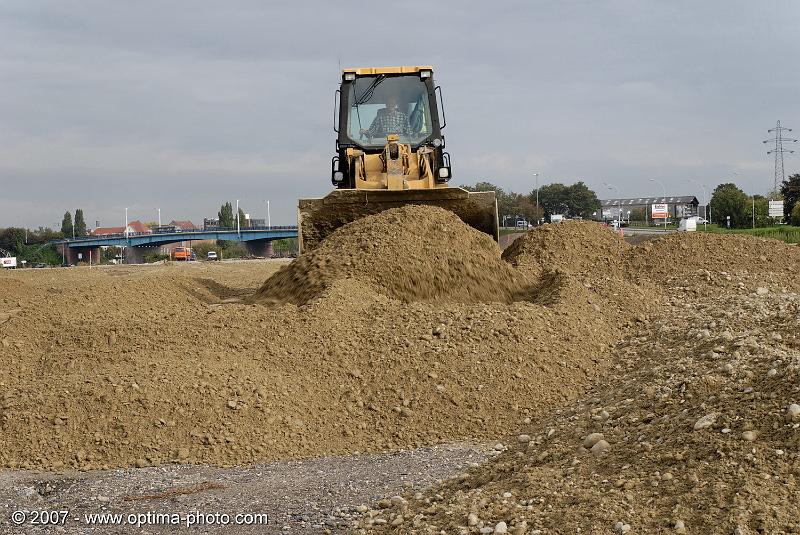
(181, 232)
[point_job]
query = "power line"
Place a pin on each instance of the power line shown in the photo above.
(778, 151)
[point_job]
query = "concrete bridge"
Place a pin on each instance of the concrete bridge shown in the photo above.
(258, 241)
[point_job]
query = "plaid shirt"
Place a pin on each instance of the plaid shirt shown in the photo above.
(392, 121)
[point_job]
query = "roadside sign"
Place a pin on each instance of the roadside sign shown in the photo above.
(660, 211)
(776, 208)
(8, 262)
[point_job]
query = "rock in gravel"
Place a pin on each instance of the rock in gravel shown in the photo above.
(592, 439)
(750, 436)
(621, 527)
(679, 526)
(524, 439)
(501, 527)
(705, 422)
(600, 447)
(472, 519)
(793, 412)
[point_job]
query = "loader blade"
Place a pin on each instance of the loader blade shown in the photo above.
(316, 218)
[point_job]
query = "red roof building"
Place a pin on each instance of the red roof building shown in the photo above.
(104, 231)
(184, 225)
(138, 226)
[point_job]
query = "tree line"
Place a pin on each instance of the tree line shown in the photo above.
(576, 200)
(728, 200)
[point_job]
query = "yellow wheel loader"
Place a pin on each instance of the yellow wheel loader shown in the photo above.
(390, 152)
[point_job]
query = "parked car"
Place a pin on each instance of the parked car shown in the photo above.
(212, 255)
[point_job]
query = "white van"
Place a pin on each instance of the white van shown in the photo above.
(687, 225)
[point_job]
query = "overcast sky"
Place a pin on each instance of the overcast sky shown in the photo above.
(182, 105)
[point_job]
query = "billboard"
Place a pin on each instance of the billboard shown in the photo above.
(9, 262)
(776, 208)
(659, 211)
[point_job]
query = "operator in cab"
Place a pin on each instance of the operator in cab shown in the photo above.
(390, 120)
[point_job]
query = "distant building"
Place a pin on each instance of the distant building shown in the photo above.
(133, 227)
(105, 231)
(184, 225)
(138, 227)
(677, 207)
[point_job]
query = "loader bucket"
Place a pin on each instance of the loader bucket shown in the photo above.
(316, 218)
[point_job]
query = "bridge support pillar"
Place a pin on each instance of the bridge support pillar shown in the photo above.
(259, 248)
(72, 256)
(135, 255)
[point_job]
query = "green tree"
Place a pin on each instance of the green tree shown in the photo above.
(225, 215)
(729, 200)
(796, 215)
(66, 225)
(243, 223)
(790, 189)
(505, 200)
(80, 224)
(582, 200)
(638, 214)
(762, 218)
(12, 239)
(572, 201)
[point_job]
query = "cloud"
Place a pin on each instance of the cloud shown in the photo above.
(189, 103)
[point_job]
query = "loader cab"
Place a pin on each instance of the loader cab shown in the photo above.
(374, 103)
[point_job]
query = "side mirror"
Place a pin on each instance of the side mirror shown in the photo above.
(336, 105)
(438, 90)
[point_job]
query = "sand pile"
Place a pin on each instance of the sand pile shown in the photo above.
(581, 248)
(696, 429)
(170, 371)
(586, 255)
(689, 252)
(413, 253)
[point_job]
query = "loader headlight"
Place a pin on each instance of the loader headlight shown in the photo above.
(437, 142)
(349, 76)
(425, 74)
(444, 173)
(338, 176)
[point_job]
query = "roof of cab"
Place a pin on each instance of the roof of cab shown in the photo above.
(406, 69)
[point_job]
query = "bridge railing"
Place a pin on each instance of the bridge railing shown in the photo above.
(187, 233)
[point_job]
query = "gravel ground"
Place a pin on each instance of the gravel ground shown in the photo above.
(311, 496)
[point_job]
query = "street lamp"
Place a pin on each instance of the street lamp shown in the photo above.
(664, 190)
(159, 216)
(124, 249)
(538, 219)
(268, 221)
(619, 206)
(238, 228)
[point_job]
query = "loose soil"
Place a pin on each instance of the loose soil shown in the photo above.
(138, 367)
(408, 329)
(694, 429)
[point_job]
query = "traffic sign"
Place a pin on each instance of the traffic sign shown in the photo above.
(776, 208)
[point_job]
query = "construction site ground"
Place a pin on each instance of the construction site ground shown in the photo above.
(404, 377)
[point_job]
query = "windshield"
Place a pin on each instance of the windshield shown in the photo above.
(382, 105)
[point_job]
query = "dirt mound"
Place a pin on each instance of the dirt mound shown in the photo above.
(413, 253)
(695, 429)
(689, 252)
(163, 373)
(582, 248)
(408, 335)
